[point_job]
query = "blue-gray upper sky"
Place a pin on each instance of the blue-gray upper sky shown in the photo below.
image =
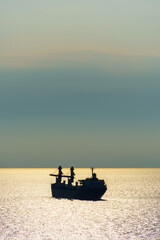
(79, 83)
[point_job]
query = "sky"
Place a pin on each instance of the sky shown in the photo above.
(79, 83)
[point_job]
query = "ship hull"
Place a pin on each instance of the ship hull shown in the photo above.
(78, 192)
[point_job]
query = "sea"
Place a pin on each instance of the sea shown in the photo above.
(130, 208)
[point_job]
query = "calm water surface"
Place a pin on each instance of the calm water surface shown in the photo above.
(130, 208)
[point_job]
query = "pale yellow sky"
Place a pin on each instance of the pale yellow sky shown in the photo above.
(79, 83)
(37, 30)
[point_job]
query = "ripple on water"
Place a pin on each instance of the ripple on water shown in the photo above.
(131, 209)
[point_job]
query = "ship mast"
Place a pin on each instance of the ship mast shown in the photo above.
(93, 174)
(92, 171)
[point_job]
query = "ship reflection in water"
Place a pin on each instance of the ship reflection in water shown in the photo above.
(86, 189)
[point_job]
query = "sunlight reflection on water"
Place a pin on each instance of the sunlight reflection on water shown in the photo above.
(130, 210)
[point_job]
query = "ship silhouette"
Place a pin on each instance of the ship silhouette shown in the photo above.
(85, 189)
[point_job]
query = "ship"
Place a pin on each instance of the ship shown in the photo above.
(86, 189)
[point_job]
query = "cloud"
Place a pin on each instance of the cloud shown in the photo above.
(109, 63)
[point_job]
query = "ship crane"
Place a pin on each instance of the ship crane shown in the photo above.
(60, 175)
